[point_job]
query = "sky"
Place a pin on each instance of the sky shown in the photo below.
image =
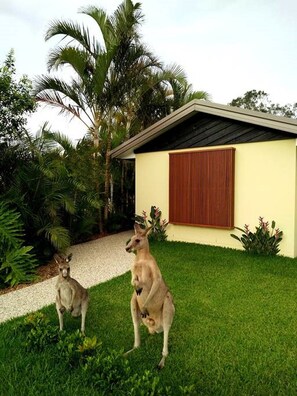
(225, 47)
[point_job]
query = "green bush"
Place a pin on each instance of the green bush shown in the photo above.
(17, 263)
(39, 333)
(106, 370)
(263, 241)
(158, 230)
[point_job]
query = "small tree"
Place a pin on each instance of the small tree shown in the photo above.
(259, 101)
(16, 101)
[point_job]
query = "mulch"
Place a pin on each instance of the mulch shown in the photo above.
(43, 273)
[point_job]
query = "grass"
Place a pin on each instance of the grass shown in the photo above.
(234, 332)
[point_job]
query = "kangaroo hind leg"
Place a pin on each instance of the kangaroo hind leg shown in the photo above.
(168, 314)
(60, 311)
(84, 308)
(136, 319)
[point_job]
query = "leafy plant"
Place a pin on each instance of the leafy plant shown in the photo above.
(77, 349)
(263, 241)
(106, 370)
(17, 264)
(111, 373)
(16, 101)
(55, 197)
(158, 231)
(40, 333)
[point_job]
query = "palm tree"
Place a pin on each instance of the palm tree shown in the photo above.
(101, 74)
(115, 82)
(51, 192)
(182, 92)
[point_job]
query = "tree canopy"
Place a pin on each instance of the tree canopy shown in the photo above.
(16, 101)
(260, 101)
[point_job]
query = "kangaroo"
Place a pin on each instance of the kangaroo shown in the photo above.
(151, 301)
(71, 296)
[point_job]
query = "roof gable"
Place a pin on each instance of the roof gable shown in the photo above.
(202, 123)
(204, 130)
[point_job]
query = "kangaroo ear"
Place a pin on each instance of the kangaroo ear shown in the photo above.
(69, 257)
(57, 258)
(148, 230)
(137, 228)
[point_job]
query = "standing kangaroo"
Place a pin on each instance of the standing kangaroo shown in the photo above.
(151, 301)
(71, 296)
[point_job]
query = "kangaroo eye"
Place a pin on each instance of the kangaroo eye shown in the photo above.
(137, 240)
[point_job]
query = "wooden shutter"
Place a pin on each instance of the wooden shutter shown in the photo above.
(201, 188)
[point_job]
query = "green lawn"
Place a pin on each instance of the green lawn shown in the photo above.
(234, 331)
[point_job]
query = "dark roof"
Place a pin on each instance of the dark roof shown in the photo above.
(201, 123)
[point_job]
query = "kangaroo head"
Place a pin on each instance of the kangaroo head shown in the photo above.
(63, 263)
(139, 240)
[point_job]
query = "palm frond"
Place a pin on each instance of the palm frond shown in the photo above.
(18, 265)
(201, 95)
(57, 138)
(57, 235)
(11, 228)
(174, 72)
(71, 30)
(103, 22)
(57, 93)
(126, 19)
(103, 63)
(78, 59)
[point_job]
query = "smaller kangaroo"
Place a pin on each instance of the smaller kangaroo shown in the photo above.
(71, 296)
(151, 300)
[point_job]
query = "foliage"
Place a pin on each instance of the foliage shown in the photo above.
(182, 92)
(118, 86)
(55, 197)
(158, 230)
(17, 264)
(15, 101)
(107, 371)
(259, 101)
(263, 241)
(39, 333)
(75, 348)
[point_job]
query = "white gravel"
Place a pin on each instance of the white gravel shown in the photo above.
(92, 263)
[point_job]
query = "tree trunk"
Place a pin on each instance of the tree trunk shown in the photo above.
(95, 134)
(107, 171)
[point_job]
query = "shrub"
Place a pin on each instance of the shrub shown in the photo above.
(110, 373)
(17, 264)
(107, 371)
(76, 348)
(158, 231)
(39, 332)
(263, 241)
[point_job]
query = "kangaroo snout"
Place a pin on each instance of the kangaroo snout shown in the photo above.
(129, 246)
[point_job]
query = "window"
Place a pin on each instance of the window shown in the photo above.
(201, 188)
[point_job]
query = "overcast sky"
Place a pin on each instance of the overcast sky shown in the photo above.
(226, 47)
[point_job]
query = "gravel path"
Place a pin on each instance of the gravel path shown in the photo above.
(92, 263)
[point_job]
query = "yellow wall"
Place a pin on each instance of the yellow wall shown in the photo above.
(265, 183)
